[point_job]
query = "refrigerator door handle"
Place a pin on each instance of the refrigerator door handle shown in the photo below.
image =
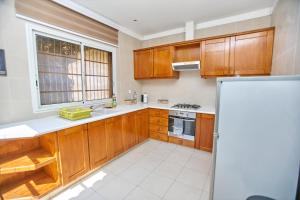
(217, 135)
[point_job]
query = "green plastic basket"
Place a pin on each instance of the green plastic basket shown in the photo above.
(75, 113)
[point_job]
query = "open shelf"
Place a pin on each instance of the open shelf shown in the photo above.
(27, 161)
(187, 52)
(34, 186)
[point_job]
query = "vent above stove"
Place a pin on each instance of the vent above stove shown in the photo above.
(186, 66)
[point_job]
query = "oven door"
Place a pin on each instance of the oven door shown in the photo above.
(189, 126)
(176, 125)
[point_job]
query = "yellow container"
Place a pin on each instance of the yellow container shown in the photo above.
(75, 113)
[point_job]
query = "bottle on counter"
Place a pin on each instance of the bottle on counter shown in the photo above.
(129, 95)
(114, 101)
(134, 97)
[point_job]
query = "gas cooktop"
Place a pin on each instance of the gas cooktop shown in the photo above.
(187, 106)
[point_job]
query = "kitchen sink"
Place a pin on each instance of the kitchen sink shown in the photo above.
(103, 111)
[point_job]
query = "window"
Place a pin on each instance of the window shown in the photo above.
(98, 71)
(59, 71)
(70, 70)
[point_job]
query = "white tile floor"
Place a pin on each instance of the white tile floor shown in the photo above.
(152, 171)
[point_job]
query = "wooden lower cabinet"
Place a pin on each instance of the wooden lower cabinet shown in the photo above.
(98, 140)
(115, 137)
(158, 124)
(130, 137)
(66, 155)
(142, 125)
(204, 132)
(74, 152)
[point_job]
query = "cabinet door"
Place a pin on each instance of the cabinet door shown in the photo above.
(163, 57)
(97, 143)
(142, 125)
(129, 130)
(73, 150)
(253, 53)
(143, 64)
(215, 57)
(114, 133)
(204, 132)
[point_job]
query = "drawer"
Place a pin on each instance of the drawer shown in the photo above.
(163, 129)
(164, 113)
(163, 137)
(188, 143)
(154, 120)
(163, 121)
(158, 136)
(154, 112)
(175, 140)
(154, 128)
(154, 135)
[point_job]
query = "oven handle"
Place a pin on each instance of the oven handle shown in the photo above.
(183, 118)
(190, 120)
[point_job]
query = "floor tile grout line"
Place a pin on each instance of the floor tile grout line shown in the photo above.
(169, 150)
(138, 185)
(117, 176)
(168, 189)
(129, 192)
(175, 179)
(151, 172)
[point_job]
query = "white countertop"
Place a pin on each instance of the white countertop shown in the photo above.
(36, 127)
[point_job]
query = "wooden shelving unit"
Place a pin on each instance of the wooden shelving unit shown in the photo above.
(27, 161)
(32, 187)
(29, 168)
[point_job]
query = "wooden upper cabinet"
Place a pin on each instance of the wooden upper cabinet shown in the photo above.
(97, 143)
(163, 58)
(73, 150)
(143, 64)
(129, 130)
(215, 57)
(253, 53)
(204, 132)
(245, 54)
(114, 134)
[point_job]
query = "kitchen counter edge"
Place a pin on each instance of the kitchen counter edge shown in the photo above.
(38, 127)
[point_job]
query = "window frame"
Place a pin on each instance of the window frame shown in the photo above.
(32, 31)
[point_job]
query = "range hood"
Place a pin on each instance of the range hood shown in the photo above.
(186, 66)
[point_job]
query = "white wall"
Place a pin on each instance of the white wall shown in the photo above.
(125, 69)
(286, 54)
(190, 87)
(15, 94)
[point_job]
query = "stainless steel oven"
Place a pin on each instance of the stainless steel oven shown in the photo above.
(182, 124)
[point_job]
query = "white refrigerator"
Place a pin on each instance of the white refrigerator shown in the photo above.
(257, 138)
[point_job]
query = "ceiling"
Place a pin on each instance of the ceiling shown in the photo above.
(161, 15)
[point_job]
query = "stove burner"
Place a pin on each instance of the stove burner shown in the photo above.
(186, 106)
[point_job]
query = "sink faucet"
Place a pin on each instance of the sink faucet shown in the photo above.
(94, 107)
